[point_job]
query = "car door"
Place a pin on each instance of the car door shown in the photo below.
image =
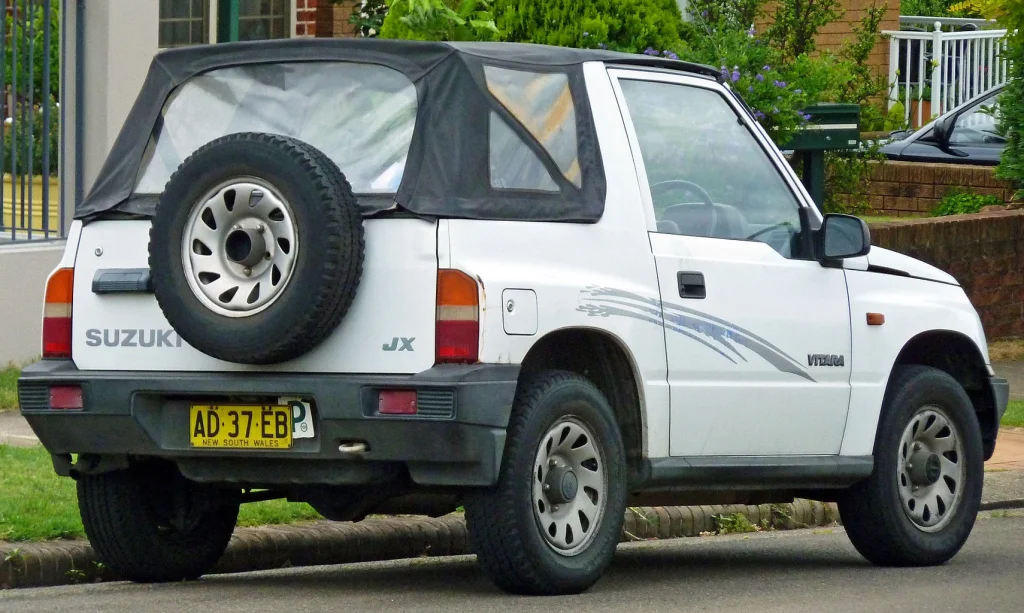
(757, 338)
(974, 138)
(976, 134)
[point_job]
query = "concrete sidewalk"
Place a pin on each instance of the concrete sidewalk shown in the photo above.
(15, 431)
(1014, 373)
(1009, 454)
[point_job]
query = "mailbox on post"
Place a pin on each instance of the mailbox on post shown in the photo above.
(831, 127)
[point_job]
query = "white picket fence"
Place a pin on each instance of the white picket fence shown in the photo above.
(931, 72)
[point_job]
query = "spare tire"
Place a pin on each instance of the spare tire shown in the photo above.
(256, 248)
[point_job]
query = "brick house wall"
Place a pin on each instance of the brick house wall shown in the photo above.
(305, 17)
(906, 189)
(984, 252)
(323, 18)
(834, 35)
(331, 20)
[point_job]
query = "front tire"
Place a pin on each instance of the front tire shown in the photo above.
(149, 524)
(919, 505)
(552, 523)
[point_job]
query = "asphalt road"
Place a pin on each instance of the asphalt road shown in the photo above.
(784, 571)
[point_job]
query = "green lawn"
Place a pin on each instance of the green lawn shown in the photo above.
(9, 388)
(1014, 414)
(36, 504)
(884, 218)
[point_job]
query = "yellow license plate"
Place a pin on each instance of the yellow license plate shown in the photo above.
(240, 426)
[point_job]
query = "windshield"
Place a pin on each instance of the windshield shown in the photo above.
(359, 115)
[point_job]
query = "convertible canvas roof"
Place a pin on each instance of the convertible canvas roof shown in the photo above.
(446, 173)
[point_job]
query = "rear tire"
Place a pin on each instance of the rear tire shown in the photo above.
(149, 524)
(907, 515)
(581, 512)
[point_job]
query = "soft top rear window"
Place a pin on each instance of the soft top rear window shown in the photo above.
(434, 129)
(360, 115)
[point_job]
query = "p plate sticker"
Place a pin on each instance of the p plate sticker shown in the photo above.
(302, 417)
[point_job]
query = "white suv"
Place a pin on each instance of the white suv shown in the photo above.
(542, 283)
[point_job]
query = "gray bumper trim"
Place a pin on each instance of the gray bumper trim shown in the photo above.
(145, 414)
(1000, 395)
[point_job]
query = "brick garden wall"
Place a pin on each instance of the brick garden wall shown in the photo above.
(904, 189)
(985, 252)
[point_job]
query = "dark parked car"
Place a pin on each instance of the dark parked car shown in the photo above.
(968, 134)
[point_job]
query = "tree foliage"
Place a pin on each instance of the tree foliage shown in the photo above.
(367, 15)
(29, 42)
(455, 20)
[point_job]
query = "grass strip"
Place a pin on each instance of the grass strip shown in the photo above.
(36, 504)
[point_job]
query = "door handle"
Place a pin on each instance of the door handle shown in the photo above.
(691, 285)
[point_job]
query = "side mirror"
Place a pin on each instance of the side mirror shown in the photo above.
(843, 236)
(943, 130)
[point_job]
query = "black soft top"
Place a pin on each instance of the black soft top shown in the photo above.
(446, 173)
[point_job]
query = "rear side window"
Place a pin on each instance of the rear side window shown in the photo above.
(513, 164)
(360, 115)
(543, 104)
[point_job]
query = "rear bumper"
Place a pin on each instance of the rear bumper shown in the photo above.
(1000, 396)
(130, 414)
(999, 390)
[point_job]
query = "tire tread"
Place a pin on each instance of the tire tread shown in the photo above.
(874, 522)
(502, 551)
(122, 530)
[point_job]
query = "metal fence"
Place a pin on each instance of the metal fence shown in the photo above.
(29, 68)
(934, 70)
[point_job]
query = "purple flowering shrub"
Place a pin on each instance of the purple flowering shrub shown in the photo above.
(755, 71)
(769, 70)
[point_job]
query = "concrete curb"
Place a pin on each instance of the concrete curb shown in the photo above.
(68, 562)
(1002, 504)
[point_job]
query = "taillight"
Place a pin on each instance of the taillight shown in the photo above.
(66, 397)
(457, 331)
(57, 314)
(397, 402)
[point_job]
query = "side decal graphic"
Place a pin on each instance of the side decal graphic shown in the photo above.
(716, 334)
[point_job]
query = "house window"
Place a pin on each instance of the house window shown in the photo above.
(184, 22)
(263, 19)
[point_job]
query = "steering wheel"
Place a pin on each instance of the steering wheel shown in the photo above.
(664, 187)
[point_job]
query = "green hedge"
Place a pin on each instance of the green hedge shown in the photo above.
(1011, 166)
(623, 25)
(38, 141)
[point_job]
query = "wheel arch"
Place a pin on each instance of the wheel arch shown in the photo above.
(604, 359)
(959, 356)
